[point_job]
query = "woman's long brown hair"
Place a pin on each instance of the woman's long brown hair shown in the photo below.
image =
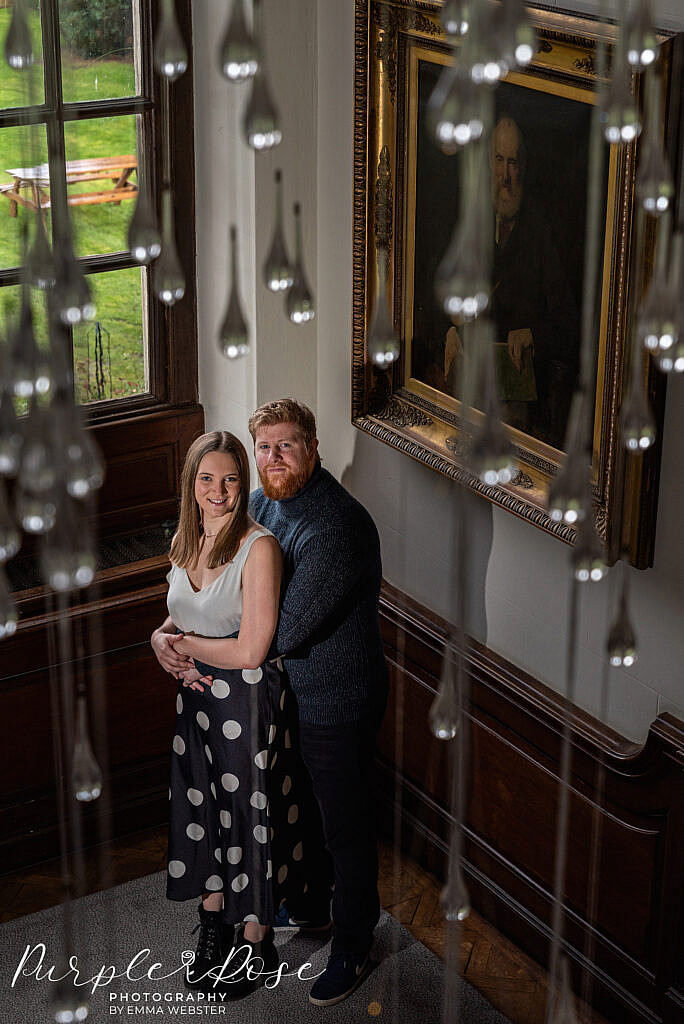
(185, 546)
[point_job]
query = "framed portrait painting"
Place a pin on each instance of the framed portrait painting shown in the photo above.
(407, 204)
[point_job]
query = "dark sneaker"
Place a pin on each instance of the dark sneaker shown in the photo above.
(313, 925)
(213, 946)
(263, 960)
(344, 974)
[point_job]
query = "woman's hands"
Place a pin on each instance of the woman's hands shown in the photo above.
(182, 644)
(170, 660)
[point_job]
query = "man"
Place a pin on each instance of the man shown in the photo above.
(508, 160)
(329, 636)
(531, 304)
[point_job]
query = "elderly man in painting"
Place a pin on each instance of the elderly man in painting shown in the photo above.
(530, 304)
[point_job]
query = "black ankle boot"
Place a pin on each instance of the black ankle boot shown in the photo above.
(263, 960)
(214, 944)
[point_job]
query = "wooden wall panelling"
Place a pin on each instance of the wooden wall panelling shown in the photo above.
(514, 738)
(140, 708)
(144, 456)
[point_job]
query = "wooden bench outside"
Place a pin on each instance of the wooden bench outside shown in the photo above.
(36, 180)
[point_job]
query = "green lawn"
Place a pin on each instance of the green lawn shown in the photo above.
(97, 228)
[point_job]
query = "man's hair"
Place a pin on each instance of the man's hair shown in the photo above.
(284, 410)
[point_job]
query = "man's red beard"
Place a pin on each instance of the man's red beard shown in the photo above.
(283, 485)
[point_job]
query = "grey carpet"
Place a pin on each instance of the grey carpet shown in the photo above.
(110, 927)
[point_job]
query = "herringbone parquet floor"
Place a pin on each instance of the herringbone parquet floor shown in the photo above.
(509, 979)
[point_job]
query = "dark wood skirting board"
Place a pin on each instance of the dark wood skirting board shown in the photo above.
(630, 947)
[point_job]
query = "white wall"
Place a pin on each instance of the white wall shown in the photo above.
(224, 193)
(288, 352)
(518, 576)
(235, 185)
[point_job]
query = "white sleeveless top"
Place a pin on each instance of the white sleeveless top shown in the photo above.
(215, 610)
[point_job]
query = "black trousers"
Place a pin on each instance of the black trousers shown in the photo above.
(340, 845)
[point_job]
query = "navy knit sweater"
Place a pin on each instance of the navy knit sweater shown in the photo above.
(328, 630)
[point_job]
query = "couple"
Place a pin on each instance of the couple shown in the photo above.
(287, 579)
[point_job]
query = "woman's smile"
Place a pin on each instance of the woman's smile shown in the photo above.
(217, 487)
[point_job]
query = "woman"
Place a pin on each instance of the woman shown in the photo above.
(233, 832)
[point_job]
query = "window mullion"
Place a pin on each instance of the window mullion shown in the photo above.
(52, 64)
(54, 126)
(16, 117)
(106, 108)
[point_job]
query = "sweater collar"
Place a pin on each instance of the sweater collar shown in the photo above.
(306, 494)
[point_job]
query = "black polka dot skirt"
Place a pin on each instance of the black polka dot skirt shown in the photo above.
(234, 821)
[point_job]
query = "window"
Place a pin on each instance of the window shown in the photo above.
(92, 102)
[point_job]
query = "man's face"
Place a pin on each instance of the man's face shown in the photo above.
(284, 460)
(506, 170)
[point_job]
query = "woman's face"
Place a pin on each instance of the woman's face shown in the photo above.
(217, 488)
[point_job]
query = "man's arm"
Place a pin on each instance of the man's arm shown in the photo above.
(329, 566)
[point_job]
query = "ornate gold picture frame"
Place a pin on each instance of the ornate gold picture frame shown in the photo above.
(405, 202)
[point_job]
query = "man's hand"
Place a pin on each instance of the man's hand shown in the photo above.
(452, 349)
(170, 660)
(518, 341)
(193, 678)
